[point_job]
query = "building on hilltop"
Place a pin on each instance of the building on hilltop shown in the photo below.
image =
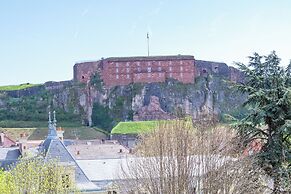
(116, 71)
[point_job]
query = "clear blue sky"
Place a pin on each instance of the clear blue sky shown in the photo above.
(42, 40)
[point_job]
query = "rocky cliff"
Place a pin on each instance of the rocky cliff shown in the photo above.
(209, 97)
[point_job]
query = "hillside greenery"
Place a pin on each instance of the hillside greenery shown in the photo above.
(101, 117)
(31, 111)
(17, 87)
(134, 127)
(39, 133)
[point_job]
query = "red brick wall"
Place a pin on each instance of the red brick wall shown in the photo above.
(123, 71)
(126, 72)
(83, 71)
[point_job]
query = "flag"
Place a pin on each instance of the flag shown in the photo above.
(148, 35)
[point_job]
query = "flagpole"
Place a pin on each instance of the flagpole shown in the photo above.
(148, 39)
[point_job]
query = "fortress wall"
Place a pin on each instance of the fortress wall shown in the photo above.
(125, 70)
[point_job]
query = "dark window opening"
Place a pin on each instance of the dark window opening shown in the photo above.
(83, 77)
(66, 180)
(204, 71)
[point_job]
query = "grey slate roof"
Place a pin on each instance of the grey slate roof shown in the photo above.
(57, 150)
(8, 156)
(54, 148)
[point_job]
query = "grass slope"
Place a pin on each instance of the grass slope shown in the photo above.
(82, 133)
(134, 127)
(34, 124)
(17, 87)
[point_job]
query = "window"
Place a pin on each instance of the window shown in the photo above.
(159, 69)
(66, 181)
(138, 63)
(127, 70)
(181, 62)
(149, 75)
(159, 63)
(117, 76)
(181, 74)
(149, 63)
(139, 69)
(138, 76)
(127, 64)
(83, 77)
(171, 75)
(117, 70)
(181, 68)
(160, 74)
(127, 76)
(149, 69)
(170, 68)
(117, 65)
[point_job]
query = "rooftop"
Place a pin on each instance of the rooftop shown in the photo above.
(151, 58)
(92, 151)
(9, 153)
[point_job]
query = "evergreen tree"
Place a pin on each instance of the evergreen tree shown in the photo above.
(269, 99)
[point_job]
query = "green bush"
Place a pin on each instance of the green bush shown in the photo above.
(101, 117)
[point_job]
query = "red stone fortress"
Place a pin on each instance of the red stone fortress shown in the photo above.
(117, 71)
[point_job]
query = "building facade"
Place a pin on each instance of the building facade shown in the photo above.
(116, 71)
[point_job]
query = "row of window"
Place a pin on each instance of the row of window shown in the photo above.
(148, 75)
(148, 63)
(149, 69)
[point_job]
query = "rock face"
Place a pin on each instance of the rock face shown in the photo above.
(153, 111)
(208, 97)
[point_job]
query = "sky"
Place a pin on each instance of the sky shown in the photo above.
(42, 40)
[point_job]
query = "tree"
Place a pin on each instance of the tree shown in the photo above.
(35, 175)
(269, 119)
(178, 158)
(101, 117)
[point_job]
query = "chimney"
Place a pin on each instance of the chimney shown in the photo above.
(23, 143)
(60, 133)
(2, 136)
